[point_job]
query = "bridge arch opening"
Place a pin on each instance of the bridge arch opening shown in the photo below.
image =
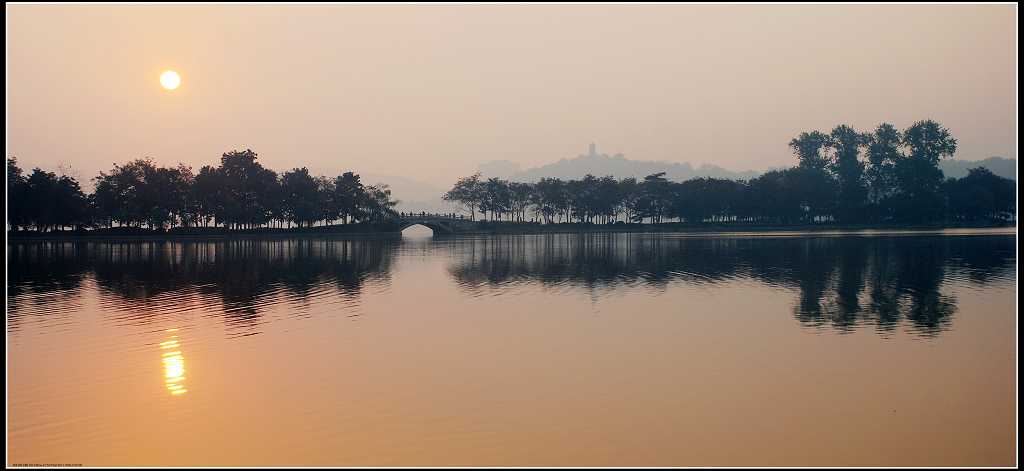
(417, 231)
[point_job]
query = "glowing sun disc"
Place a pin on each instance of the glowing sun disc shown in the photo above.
(170, 79)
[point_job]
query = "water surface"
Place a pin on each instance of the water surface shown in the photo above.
(595, 349)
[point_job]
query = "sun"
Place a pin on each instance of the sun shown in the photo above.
(170, 79)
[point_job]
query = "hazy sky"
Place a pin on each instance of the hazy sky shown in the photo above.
(429, 92)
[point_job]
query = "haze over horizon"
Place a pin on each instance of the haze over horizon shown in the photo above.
(431, 92)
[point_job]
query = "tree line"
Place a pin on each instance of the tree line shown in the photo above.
(845, 176)
(237, 194)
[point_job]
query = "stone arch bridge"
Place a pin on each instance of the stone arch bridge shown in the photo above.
(440, 224)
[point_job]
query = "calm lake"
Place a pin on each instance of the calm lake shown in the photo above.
(885, 348)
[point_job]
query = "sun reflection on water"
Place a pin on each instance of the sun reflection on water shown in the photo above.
(174, 364)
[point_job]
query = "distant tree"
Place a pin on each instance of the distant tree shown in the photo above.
(104, 200)
(726, 197)
(918, 175)
(770, 198)
(701, 200)
(139, 192)
(929, 141)
(164, 195)
(849, 172)
(794, 195)
(54, 202)
(469, 192)
(549, 198)
(17, 196)
(815, 190)
(248, 190)
(378, 206)
(72, 205)
(303, 197)
(348, 196)
(629, 193)
(269, 196)
(519, 199)
(328, 211)
(691, 202)
(981, 196)
(208, 196)
(117, 194)
(184, 181)
(883, 155)
(273, 199)
(810, 149)
(497, 199)
(584, 198)
(656, 198)
(607, 199)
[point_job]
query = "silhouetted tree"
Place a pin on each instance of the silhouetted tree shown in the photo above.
(883, 153)
(519, 200)
(208, 195)
(18, 211)
(981, 196)
(629, 194)
(468, 192)
(164, 195)
(247, 190)
(549, 198)
(377, 204)
(305, 199)
(348, 196)
(849, 172)
(918, 176)
(810, 149)
(54, 202)
(141, 193)
(655, 200)
(497, 198)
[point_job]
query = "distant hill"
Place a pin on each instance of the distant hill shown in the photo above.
(620, 167)
(603, 164)
(957, 168)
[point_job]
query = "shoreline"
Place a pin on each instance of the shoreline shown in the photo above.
(685, 228)
(504, 228)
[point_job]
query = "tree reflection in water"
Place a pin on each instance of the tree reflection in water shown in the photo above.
(841, 283)
(146, 278)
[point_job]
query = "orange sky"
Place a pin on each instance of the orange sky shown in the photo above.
(429, 92)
